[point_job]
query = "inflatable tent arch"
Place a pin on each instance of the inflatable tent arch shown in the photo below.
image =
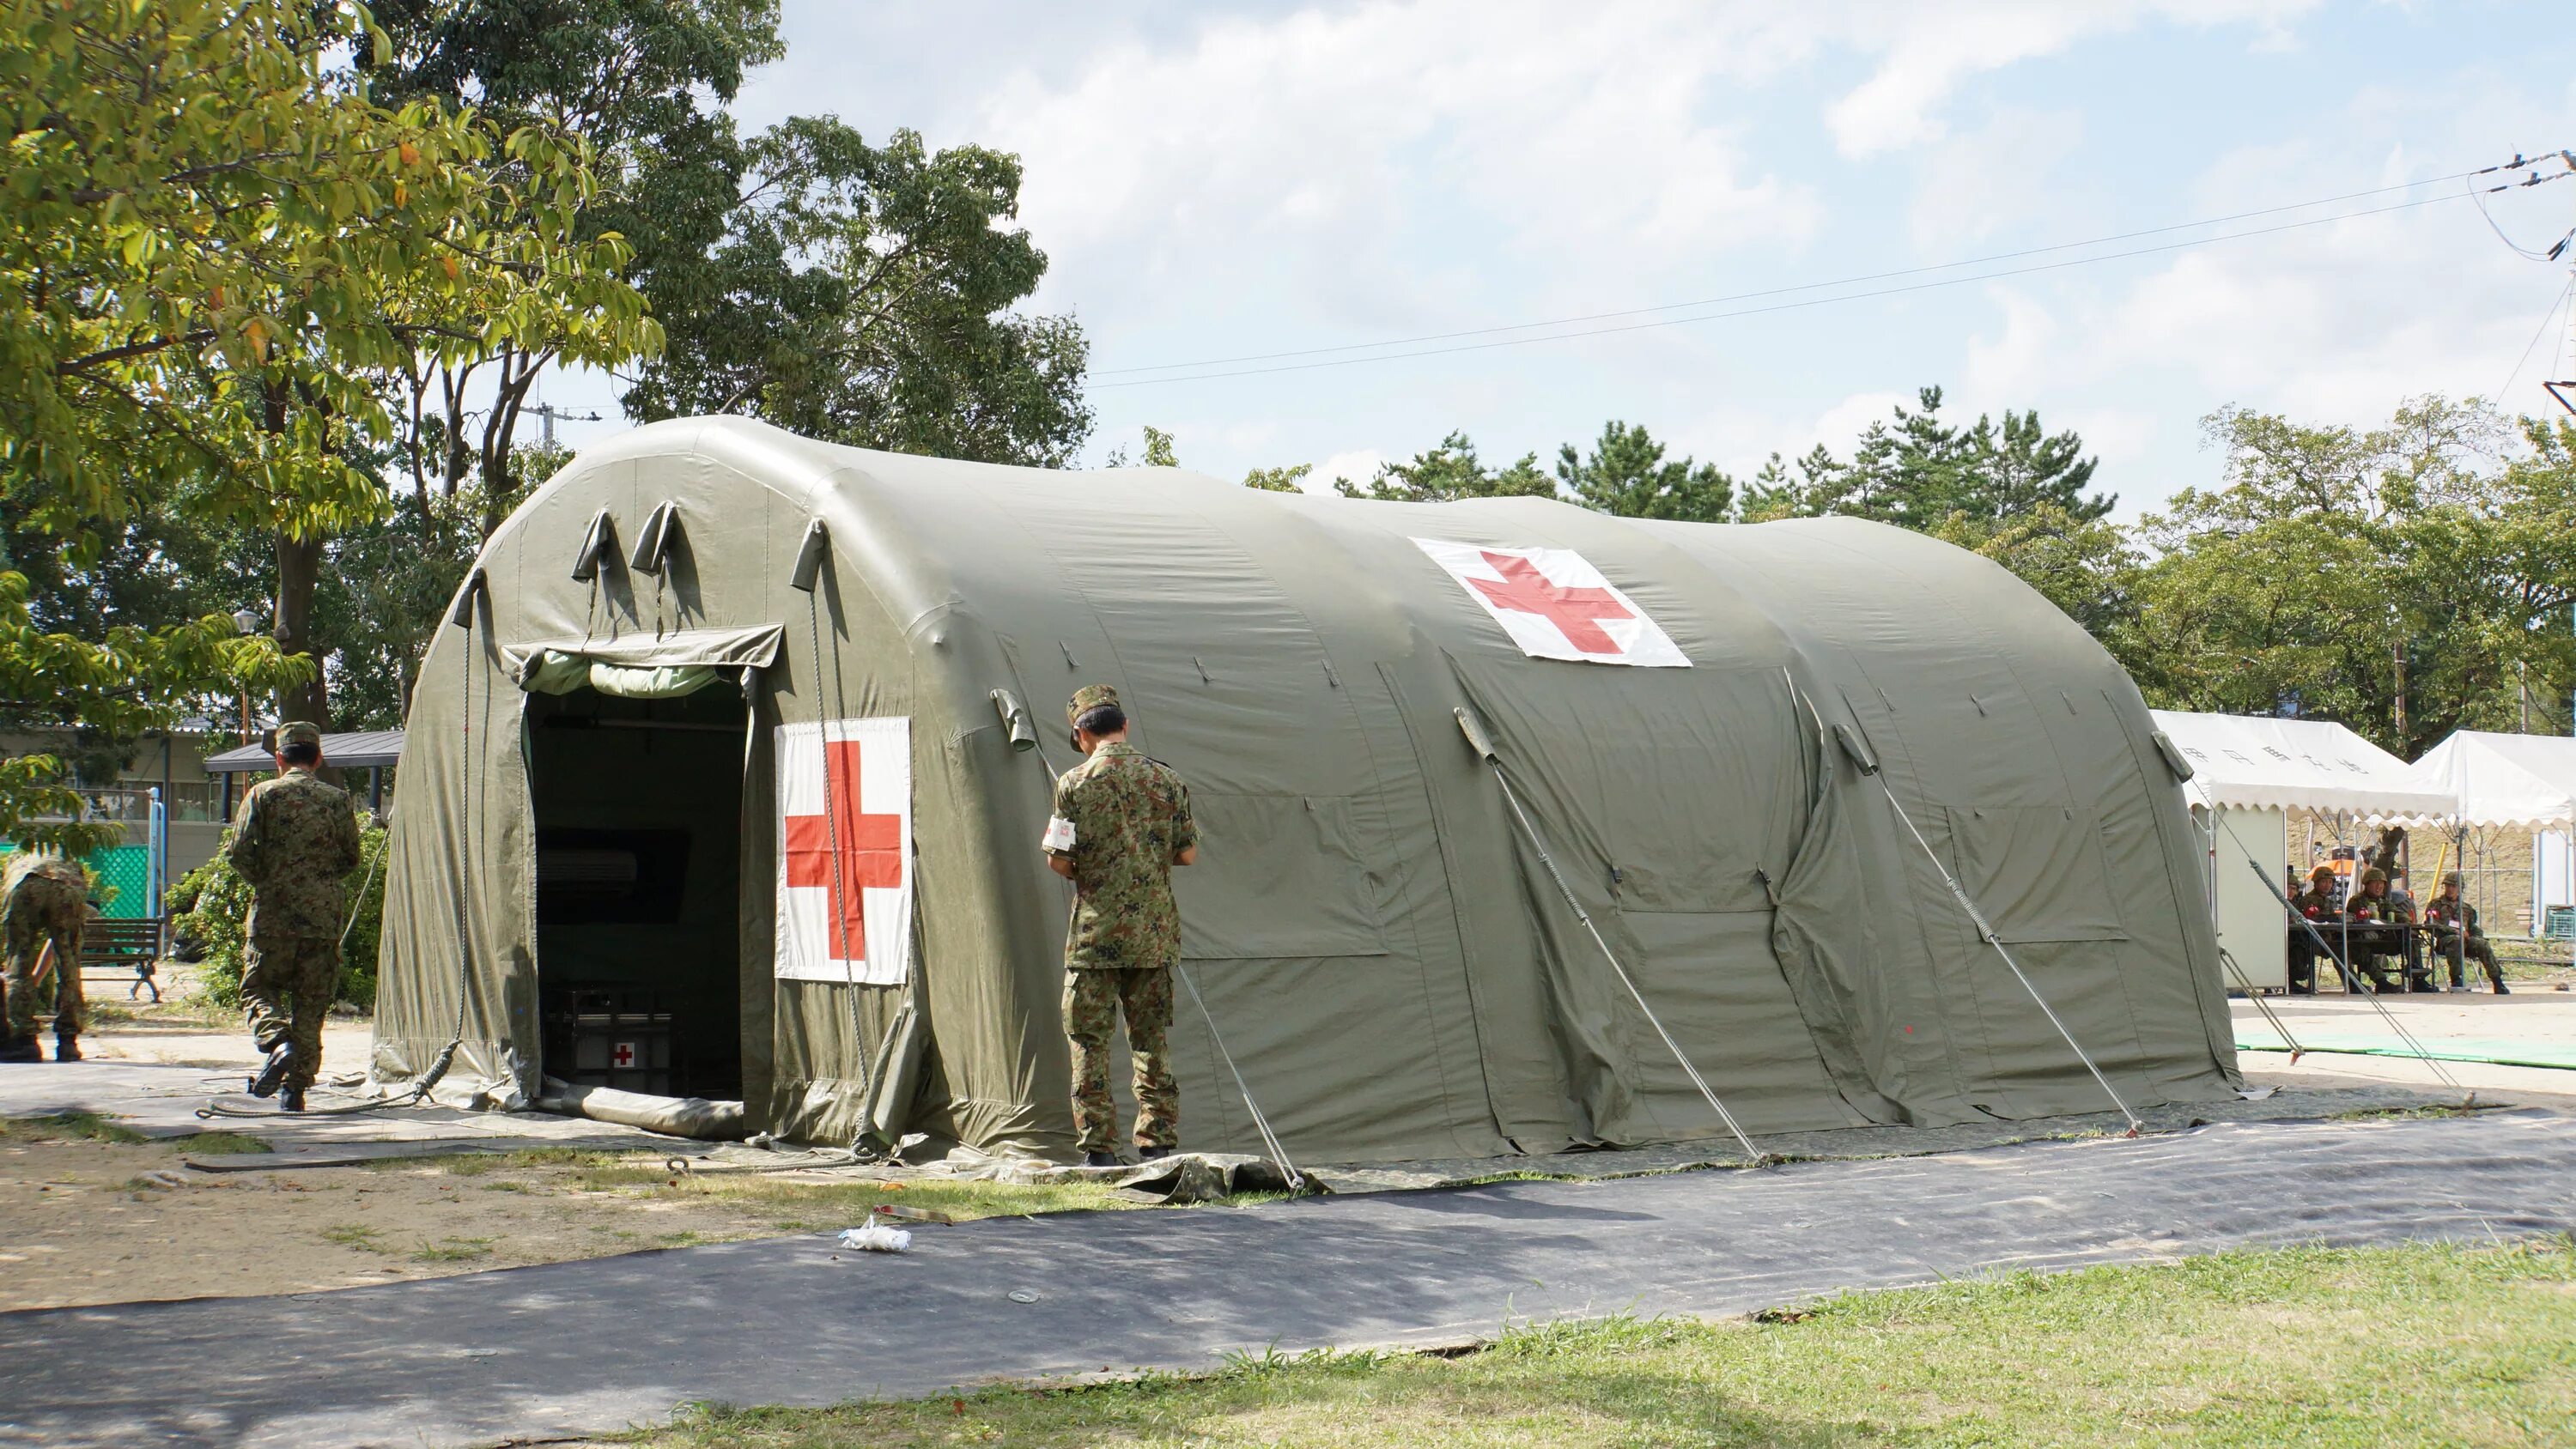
(620, 746)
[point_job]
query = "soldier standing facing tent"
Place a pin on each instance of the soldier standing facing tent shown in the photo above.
(1122, 821)
(45, 899)
(294, 839)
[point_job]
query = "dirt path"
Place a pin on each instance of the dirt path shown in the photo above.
(85, 1219)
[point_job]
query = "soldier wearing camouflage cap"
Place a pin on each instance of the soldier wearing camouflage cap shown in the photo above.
(2457, 937)
(45, 902)
(1122, 821)
(294, 839)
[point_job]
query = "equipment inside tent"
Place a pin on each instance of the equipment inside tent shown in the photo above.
(2518, 783)
(727, 776)
(2248, 773)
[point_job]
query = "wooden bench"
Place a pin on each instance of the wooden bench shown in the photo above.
(122, 949)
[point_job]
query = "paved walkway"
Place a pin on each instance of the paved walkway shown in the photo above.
(583, 1347)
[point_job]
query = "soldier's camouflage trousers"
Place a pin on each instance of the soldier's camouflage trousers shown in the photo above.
(1094, 998)
(43, 911)
(306, 968)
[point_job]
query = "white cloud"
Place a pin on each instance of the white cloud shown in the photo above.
(1997, 177)
(1518, 131)
(2019, 361)
(1930, 50)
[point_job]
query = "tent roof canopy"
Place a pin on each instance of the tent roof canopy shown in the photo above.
(2526, 781)
(360, 750)
(2269, 763)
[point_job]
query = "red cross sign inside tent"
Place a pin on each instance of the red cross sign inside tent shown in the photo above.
(845, 851)
(1556, 605)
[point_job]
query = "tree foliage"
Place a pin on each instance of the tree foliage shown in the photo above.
(869, 295)
(1452, 471)
(1627, 474)
(2426, 566)
(1916, 471)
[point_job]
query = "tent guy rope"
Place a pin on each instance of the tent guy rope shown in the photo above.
(1959, 893)
(1483, 745)
(1297, 1181)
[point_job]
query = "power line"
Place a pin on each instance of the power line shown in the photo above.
(1776, 307)
(2546, 318)
(2460, 176)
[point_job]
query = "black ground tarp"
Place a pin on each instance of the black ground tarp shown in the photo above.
(591, 1346)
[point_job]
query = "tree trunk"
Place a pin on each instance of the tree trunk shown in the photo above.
(299, 568)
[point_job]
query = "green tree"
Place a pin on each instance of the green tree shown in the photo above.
(2407, 580)
(1627, 474)
(202, 229)
(643, 83)
(1290, 479)
(1450, 471)
(1915, 470)
(868, 295)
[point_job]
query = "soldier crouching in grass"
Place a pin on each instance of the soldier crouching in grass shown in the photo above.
(295, 839)
(1122, 821)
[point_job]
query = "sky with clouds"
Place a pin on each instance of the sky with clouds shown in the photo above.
(1243, 182)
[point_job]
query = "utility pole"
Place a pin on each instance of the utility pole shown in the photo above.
(2399, 649)
(547, 413)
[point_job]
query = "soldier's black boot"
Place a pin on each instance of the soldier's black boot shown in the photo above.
(273, 1072)
(1100, 1159)
(20, 1049)
(291, 1100)
(1152, 1154)
(66, 1048)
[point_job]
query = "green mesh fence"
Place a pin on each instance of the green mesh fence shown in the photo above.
(127, 868)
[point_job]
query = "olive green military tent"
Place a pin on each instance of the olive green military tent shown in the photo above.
(749, 735)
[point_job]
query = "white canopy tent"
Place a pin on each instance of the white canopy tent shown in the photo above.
(2248, 773)
(2260, 763)
(2525, 782)
(2516, 782)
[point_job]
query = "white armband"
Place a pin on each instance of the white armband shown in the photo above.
(1059, 834)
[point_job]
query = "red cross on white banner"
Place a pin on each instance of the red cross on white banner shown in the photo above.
(844, 850)
(1556, 605)
(624, 1056)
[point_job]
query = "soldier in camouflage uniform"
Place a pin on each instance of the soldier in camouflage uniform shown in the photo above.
(46, 902)
(2457, 938)
(295, 839)
(1122, 821)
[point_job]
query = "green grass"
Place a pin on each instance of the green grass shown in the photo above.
(68, 1127)
(2425, 1345)
(355, 1235)
(453, 1250)
(789, 1205)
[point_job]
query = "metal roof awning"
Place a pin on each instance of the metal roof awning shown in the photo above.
(358, 750)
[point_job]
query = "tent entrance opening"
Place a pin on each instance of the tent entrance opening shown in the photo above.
(639, 883)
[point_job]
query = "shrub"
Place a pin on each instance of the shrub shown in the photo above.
(211, 906)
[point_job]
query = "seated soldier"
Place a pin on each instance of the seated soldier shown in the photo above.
(2315, 906)
(2456, 936)
(2375, 904)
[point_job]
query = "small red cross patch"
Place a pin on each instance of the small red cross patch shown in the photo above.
(624, 1056)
